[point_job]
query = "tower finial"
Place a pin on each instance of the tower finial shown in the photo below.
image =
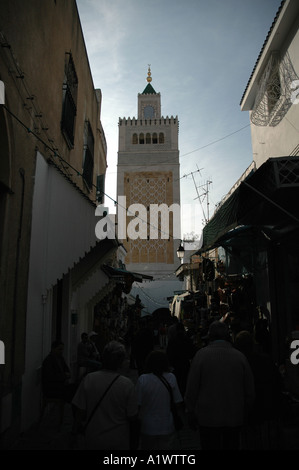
(149, 78)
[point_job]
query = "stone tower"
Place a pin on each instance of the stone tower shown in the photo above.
(148, 176)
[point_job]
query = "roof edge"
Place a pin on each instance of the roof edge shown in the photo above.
(263, 48)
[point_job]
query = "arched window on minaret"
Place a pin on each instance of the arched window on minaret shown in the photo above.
(135, 139)
(155, 138)
(141, 138)
(148, 138)
(161, 138)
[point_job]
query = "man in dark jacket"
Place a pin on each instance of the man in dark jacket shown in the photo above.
(56, 374)
(220, 389)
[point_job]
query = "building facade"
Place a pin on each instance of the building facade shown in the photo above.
(148, 193)
(52, 169)
(256, 227)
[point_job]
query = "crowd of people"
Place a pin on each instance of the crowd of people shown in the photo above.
(223, 388)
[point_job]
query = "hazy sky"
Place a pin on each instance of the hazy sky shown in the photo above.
(202, 53)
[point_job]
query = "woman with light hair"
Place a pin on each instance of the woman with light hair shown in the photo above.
(107, 404)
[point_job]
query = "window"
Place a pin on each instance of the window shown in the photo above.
(88, 156)
(148, 138)
(69, 102)
(272, 100)
(149, 112)
(100, 188)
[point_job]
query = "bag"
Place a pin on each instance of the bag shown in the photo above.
(177, 420)
(82, 427)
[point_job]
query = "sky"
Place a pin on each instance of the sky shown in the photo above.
(201, 54)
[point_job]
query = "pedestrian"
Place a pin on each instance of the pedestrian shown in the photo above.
(108, 425)
(220, 391)
(83, 350)
(163, 336)
(86, 354)
(94, 355)
(142, 345)
(56, 375)
(172, 329)
(262, 336)
(266, 411)
(157, 430)
(180, 350)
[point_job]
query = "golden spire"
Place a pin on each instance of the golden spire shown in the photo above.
(149, 78)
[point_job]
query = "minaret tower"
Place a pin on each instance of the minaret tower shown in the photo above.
(148, 175)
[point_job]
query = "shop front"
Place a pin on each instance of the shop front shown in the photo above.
(256, 233)
(116, 313)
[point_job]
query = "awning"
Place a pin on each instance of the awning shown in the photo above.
(89, 283)
(121, 275)
(63, 226)
(92, 262)
(266, 198)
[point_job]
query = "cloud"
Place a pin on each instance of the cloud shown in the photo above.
(104, 31)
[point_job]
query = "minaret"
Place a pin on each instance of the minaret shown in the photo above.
(148, 175)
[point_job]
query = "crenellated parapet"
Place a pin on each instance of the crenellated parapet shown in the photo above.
(163, 121)
(139, 133)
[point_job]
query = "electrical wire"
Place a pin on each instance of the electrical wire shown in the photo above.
(216, 141)
(149, 297)
(197, 149)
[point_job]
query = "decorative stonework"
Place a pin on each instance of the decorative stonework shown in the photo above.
(148, 188)
(273, 99)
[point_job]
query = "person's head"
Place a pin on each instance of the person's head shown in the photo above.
(244, 341)
(57, 347)
(113, 355)
(218, 331)
(180, 329)
(261, 329)
(93, 336)
(156, 362)
(84, 337)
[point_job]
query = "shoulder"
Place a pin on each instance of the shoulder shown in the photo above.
(125, 381)
(170, 377)
(144, 378)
